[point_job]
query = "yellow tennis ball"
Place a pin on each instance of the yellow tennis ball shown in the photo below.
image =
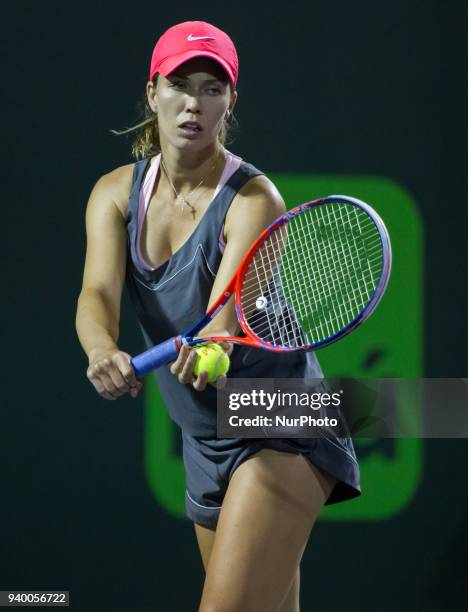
(213, 359)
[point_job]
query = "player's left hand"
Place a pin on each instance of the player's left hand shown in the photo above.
(183, 366)
(228, 347)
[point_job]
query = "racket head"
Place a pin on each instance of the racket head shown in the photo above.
(313, 275)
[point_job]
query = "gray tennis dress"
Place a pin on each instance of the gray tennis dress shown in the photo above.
(170, 299)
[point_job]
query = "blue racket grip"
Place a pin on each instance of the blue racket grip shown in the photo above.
(156, 356)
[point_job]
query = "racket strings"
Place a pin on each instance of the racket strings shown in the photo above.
(344, 288)
(285, 319)
(267, 309)
(313, 276)
(267, 257)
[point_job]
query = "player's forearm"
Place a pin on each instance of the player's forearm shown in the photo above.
(225, 321)
(97, 326)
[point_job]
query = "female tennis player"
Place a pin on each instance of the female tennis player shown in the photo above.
(175, 225)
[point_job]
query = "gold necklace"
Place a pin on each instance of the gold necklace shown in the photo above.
(183, 200)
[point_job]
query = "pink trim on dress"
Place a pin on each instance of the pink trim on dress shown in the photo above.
(143, 203)
(232, 164)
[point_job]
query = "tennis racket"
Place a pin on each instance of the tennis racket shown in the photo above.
(314, 275)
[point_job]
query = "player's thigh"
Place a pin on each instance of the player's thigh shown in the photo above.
(205, 539)
(271, 503)
(292, 601)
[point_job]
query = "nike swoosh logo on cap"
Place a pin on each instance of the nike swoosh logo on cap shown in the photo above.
(191, 38)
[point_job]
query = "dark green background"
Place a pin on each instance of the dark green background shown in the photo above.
(336, 88)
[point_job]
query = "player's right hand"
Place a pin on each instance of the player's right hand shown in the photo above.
(112, 374)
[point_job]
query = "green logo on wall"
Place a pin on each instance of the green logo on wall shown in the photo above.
(389, 345)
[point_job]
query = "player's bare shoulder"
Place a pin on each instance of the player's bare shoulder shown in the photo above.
(116, 186)
(261, 188)
(258, 201)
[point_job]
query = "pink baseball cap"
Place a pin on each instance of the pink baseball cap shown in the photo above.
(191, 39)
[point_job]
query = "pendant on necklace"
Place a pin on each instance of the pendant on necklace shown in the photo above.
(184, 203)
